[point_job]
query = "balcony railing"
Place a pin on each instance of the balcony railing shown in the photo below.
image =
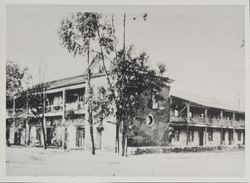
(18, 113)
(77, 107)
(208, 121)
(54, 108)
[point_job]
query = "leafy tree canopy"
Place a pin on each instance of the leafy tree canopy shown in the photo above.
(17, 78)
(133, 79)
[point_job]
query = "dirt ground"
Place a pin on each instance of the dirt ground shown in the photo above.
(22, 161)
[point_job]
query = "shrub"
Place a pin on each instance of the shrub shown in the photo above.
(150, 150)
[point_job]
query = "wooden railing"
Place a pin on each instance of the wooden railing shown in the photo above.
(18, 113)
(76, 106)
(208, 121)
(54, 108)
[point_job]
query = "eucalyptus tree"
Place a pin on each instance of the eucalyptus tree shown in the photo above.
(83, 34)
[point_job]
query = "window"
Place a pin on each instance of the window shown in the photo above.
(81, 98)
(150, 120)
(155, 104)
(239, 136)
(177, 135)
(210, 135)
(190, 135)
(190, 114)
(80, 136)
(176, 112)
(38, 134)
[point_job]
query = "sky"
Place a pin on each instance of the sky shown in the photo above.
(200, 45)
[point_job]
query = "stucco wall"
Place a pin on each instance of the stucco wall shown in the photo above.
(216, 138)
(182, 138)
(108, 137)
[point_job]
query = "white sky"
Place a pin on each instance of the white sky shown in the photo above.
(201, 45)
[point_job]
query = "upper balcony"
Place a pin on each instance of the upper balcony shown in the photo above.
(54, 108)
(209, 121)
(77, 107)
(18, 113)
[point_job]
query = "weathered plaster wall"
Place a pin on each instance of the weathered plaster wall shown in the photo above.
(158, 130)
(108, 137)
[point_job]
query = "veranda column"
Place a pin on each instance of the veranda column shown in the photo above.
(205, 111)
(221, 114)
(233, 128)
(206, 135)
(221, 136)
(12, 126)
(27, 125)
(63, 120)
(188, 120)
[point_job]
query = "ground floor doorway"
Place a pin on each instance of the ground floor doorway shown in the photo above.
(201, 137)
(80, 136)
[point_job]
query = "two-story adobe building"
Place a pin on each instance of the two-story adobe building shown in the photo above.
(200, 121)
(178, 119)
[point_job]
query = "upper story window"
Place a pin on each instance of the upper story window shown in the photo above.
(76, 95)
(176, 112)
(155, 104)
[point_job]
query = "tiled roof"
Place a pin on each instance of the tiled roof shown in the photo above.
(67, 81)
(208, 102)
(71, 81)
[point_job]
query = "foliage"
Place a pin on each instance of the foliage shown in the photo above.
(77, 34)
(16, 79)
(81, 28)
(138, 137)
(35, 98)
(162, 68)
(133, 79)
(102, 106)
(156, 150)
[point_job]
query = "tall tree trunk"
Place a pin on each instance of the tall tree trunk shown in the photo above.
(44, 134)
(124, 136)
(124, 130)
(90, 117)
(29, 134)
(117, 141)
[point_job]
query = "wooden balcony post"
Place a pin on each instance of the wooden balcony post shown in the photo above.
(221, 114)
(26, 124)
(221, 134)
(63, 120)
(233, 116)
(205, 115)
(188, 111)
(14, 111)
(233, 136)
(205, 141)
(188, 120)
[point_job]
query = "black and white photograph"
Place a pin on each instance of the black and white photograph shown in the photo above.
(125, 90)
